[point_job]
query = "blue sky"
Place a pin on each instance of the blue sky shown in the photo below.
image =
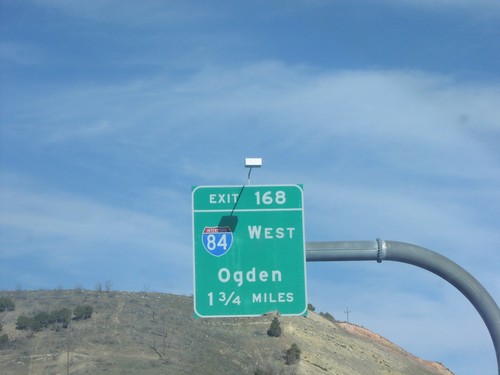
(387, 112)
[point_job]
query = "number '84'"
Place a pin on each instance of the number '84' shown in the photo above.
(214, 242)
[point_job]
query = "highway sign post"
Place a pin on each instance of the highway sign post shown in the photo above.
(249, 250)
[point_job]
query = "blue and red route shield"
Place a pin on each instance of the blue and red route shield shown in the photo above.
(217, 240)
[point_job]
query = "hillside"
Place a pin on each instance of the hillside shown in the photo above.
(153, 333)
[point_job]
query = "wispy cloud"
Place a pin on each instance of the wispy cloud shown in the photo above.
(20, 53)
(131, 13)
(75, 229)
(479, 6)
(86, 240)
(428, 116)
(466, 5)
(362, 126)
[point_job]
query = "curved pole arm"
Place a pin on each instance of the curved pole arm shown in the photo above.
(380, 250)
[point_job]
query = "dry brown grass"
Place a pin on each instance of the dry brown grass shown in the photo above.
(153, 333)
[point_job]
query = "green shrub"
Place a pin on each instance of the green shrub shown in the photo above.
(292, 355)
(57, 318)
(42, 319)
(62, 316)
(6, 304)
(311, 307)
(36, 325)
(83, 312)
(275, 328)
(23, 322)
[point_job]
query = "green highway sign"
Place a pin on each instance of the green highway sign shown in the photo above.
(249, 250)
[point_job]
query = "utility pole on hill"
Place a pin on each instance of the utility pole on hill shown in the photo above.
(347, 313)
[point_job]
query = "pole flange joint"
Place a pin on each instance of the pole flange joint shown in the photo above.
(381, 250)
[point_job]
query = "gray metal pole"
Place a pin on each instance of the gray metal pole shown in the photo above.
(380, 250)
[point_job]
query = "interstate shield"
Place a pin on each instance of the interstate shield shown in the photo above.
(217, 240)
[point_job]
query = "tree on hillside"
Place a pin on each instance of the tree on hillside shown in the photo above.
(275, 328)
(292, 355)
